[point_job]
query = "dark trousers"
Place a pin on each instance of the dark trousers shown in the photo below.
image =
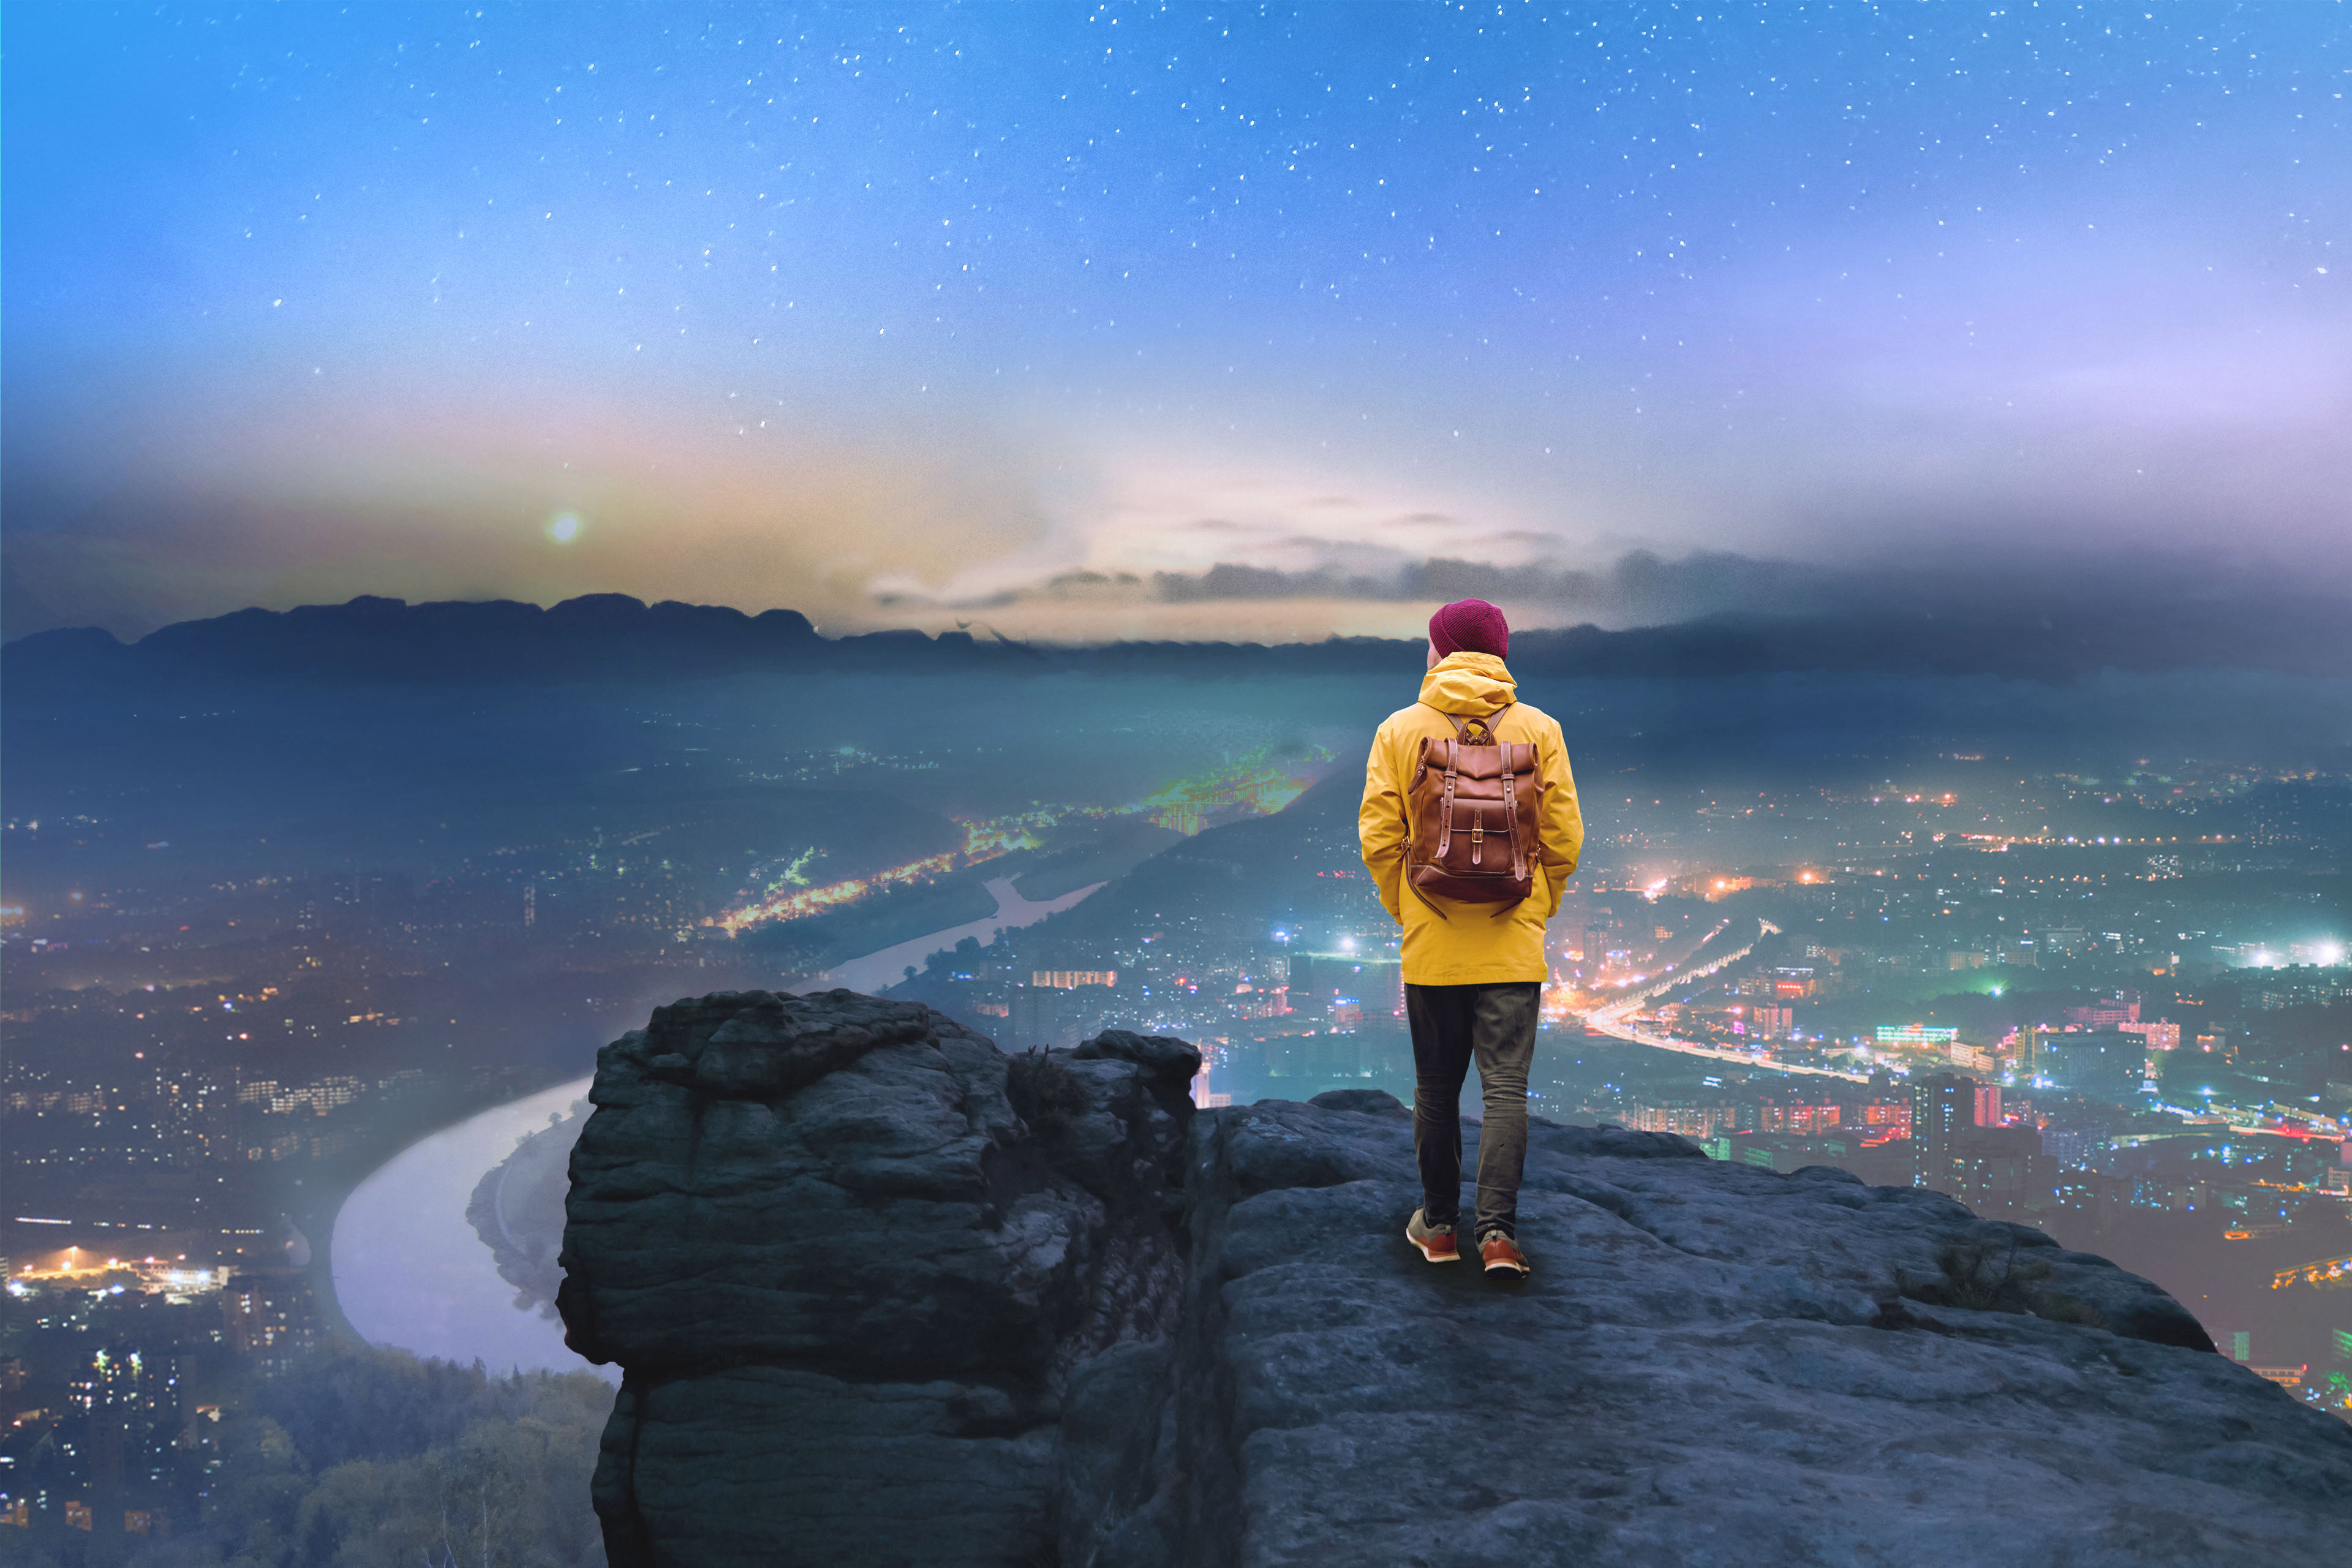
(1452, 1026)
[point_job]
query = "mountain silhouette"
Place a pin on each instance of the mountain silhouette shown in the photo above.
(612, 636)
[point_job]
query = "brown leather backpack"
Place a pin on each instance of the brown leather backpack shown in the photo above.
(1472, 810)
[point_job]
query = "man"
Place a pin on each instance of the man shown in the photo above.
(1473, 972)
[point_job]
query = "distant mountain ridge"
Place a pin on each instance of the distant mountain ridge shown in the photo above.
(612, 636)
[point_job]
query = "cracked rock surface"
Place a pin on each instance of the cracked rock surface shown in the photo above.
(1710, 1365)
(846, 1281)
(883, 1294)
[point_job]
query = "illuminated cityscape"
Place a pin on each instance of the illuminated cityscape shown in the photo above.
(519, 515)
(2132, 1040)
(2102, 1056)
(1250, 786)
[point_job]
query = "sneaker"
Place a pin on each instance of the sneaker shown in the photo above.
(1502, 1256)
(1435, 1241)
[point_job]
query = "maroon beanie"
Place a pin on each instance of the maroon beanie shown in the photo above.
(1471, 626)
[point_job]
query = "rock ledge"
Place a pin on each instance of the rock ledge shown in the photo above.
(883, 1294)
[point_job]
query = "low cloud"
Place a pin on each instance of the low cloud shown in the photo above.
(2058, 614)
(1640, 585)
(864, 530)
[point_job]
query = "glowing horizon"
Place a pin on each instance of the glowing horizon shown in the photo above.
(1043, 315)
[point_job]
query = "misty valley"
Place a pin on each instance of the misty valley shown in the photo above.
(306, 975)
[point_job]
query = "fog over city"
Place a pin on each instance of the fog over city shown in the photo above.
(514, 518)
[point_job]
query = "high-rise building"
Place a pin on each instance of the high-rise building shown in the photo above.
(2104, 1063)
(2073, 1146)
(2113, 1012)
(1700, 1122)
(2003, 1166)
(130, 1397)
(2032, 1050)
(1943, 1109)
(1803, 1119)
(269, 1315)
(1325, 984)
(1896, 1114)
(1985, 1166)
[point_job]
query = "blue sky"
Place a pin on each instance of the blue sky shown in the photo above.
(1036, 313)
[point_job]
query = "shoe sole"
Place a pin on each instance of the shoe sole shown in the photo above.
(1423, 1248)
(1505, 1268)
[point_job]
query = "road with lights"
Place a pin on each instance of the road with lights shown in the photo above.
(1612, 1020)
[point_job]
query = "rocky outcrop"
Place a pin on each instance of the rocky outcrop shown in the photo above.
(883, 1294)
(848, 1278)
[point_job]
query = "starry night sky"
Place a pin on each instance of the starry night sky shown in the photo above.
(1041, 315)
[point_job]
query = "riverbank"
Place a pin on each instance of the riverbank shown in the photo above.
(406, 1265)
(409, 1268)
(876, 970)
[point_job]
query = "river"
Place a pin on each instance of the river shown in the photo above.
(889, 966)
(410, 1272)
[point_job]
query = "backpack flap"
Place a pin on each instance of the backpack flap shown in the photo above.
(1472, 816)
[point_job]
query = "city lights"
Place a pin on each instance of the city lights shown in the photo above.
(1783, 993)
(1252, 785)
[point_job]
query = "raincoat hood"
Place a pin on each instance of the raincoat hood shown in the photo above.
(1471, 684)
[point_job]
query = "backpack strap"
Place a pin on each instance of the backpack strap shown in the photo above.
(1407, 874)
(1511, 818)
(1445, 809)
(1487, 722)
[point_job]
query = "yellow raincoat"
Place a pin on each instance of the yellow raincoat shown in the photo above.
(1475, 944)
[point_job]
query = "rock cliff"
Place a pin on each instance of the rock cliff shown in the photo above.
(883, 1294)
